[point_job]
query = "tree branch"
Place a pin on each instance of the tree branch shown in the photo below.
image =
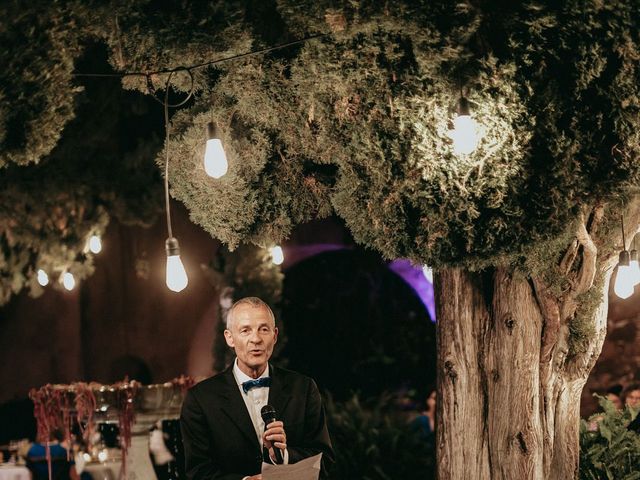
(569, 257)
(551, 314)
(587, 273)
(585, 276)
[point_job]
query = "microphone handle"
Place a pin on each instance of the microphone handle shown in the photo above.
(276, 451)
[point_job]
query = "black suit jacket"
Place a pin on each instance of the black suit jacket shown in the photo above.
(219, 439)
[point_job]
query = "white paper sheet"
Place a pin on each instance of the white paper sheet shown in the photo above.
(307, 469)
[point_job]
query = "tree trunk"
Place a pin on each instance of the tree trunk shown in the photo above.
(508, 385)
(507, 409)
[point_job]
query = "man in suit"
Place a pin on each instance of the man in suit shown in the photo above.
(222, 430)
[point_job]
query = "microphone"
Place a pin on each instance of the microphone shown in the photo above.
(268, 414)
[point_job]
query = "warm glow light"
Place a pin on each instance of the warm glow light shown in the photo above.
(624, 282)
(215, 160)
(277, 255)
(103, 455)
(43, 278)
(625, 276)
(464, 135)
(95, 244)
(428, 273)
(68, 281)
(635, 267)
(177, 279)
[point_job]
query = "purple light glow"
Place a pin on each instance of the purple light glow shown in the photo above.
(413, 276)
(404, 268)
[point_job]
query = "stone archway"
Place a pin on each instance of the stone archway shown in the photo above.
(354, 324)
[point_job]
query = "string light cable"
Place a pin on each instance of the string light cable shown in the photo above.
(215, 159)
(189, 68)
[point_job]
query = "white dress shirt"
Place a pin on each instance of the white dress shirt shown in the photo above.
(255, 399)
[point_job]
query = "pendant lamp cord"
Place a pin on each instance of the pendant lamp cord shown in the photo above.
(166, 160)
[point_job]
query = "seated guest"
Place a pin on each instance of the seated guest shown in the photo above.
(424, 424)
(62, 468)
(631, 396)
(613, 395)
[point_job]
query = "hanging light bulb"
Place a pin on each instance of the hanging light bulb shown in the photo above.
(624, 278)
(428, 273)
(43, 278)
(277, 255)
(465, 129)
(634, 266)
(95, 244)
(68, 280)
(176, 278)
(215, 160)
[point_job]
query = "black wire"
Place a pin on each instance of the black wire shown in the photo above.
(203, 64)
(166, 103)
(166, 161)
(152, 89)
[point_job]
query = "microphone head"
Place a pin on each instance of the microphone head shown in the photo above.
(268, 414)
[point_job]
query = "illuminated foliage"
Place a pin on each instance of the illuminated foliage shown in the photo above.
(48, 211)
(357, 122)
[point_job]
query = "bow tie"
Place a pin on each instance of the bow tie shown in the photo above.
(260, 382)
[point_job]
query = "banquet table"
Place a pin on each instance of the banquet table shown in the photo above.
(14, 472)
(102, 471)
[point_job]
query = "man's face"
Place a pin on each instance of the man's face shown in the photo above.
(252, 335)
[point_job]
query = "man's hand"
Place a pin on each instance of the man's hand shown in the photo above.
(274, 436)
(255, 477)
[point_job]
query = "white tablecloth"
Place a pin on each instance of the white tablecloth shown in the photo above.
(14, 472)
(103, 471)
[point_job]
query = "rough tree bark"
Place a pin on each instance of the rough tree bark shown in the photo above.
(508, 389)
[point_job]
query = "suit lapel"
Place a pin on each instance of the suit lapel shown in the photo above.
(236, 409)
(279, 393)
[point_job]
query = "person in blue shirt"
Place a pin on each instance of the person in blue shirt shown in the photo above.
(62, 465)
(424, 423)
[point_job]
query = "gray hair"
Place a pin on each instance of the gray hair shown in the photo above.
(252, 301)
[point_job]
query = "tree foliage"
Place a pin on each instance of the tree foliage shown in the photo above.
(357, 122)
(372, 442)
(608, 450)
(48, 211)
(37, 90)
